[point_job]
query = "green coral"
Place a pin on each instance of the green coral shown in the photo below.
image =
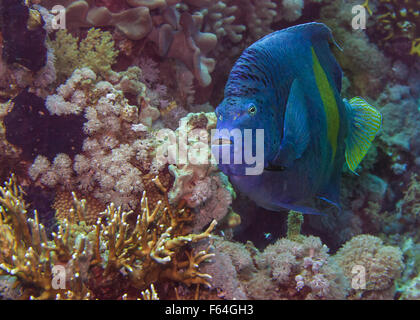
(96, 51)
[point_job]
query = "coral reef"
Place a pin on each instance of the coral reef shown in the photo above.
(381, 264)
(106, 127)
(30, 127)
(103, 260)
(189, 31)
(112, 164)
(96, 52)
(303, 269)
(395, 26)
(361, 60)
(284, 270)
(197, 180)
(23, 35)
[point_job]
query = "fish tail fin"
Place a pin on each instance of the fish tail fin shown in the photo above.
(365, 122)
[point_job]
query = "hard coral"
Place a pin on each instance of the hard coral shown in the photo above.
(149, 249)
(188, 44)
(64, 202)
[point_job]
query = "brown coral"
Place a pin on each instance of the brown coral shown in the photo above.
(152, 249)
(64, 202)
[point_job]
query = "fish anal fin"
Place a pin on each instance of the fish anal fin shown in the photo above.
(332, 198)
(330, 193)
(365, 122)
(296, 134)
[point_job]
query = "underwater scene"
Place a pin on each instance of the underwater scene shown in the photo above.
(210, 150)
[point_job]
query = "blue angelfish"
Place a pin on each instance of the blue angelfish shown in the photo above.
(288, 84)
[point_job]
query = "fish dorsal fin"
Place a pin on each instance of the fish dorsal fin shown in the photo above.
(365, 122)
(295, 129)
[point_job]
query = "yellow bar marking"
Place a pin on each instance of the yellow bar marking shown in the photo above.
(329, 102)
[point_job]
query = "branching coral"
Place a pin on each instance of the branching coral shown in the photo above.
(150, 250)
(221, 21)
(146, 247)
(27, 254)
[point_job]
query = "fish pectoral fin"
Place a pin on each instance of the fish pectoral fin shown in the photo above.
(365, 122)
(295, 129)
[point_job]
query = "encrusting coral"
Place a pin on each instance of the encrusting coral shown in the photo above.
(150, 249)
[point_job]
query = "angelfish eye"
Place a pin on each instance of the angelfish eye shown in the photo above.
(252, 110)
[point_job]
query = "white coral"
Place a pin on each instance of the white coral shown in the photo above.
(40, 166)
(291, 9)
